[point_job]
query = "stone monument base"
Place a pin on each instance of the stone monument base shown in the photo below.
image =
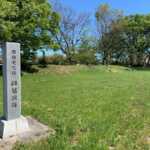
(13, 127)
(22, 130)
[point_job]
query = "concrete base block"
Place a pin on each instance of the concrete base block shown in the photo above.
(13, 127)
(24, 130)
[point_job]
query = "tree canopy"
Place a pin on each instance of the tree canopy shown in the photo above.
(72, 28)
(123, 39)
(29, 22)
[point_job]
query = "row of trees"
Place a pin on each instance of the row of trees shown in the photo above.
(123, 39)
(38, 24)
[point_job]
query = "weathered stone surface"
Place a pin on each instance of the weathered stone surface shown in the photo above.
(13, 127)
(37, 132)
(11, 80)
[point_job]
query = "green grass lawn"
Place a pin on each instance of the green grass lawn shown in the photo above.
(91, 108)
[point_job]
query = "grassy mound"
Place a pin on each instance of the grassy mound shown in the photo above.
(91, 108)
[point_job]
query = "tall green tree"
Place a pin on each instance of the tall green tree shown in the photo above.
(106, 17)
(137, 38)
(123, 39)
(29, 22)
(129, 40)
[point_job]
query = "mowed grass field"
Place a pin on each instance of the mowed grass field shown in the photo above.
(90, 108)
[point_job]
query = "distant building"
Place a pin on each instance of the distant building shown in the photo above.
(48, 52)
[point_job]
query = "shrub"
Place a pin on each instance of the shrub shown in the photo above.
(27, 66)
(55, 59)
(43, 62)
(85, 57)
(1, 70)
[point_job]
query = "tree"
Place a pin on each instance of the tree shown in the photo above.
(112, 44)
(128, 41)
(29, 22)
(106, 18)
(137, 38)
(72, 28)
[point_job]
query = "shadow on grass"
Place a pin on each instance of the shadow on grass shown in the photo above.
(141, 68)
(1, 72)
(136, 68)
(42, 66)
(27, 69)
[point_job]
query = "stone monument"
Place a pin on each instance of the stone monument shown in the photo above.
(13, 126)
(12, 122)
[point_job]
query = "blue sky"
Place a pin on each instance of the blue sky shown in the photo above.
(128, 6)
